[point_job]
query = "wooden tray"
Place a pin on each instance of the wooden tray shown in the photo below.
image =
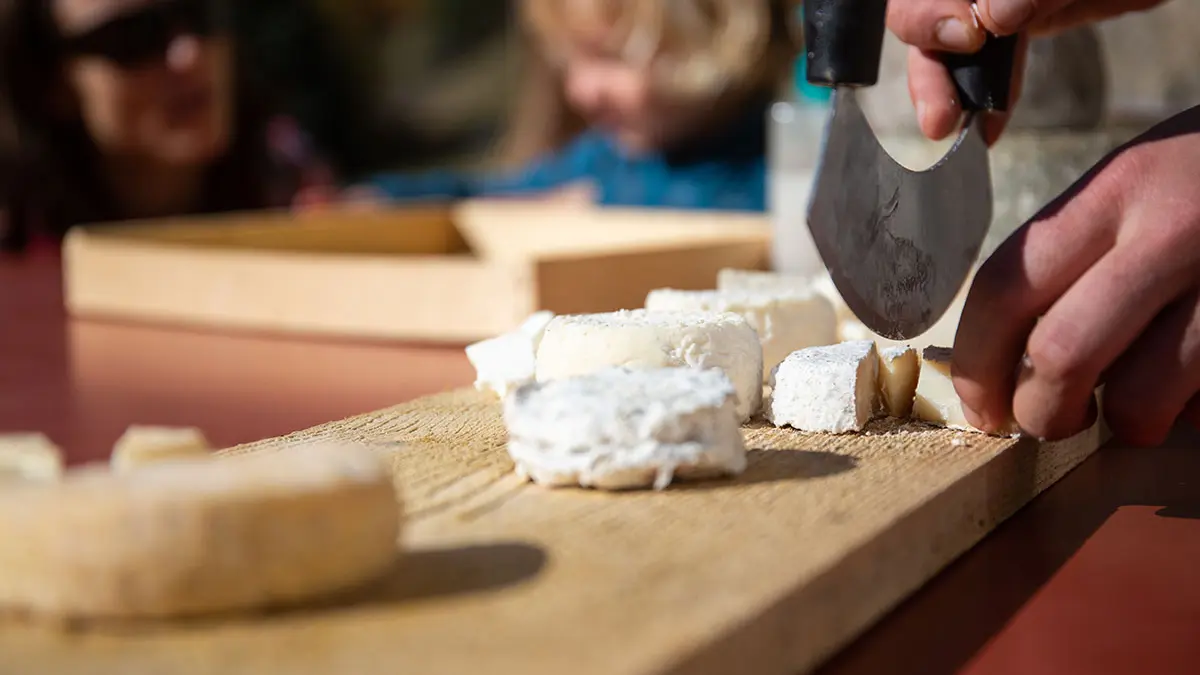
(436, 274)
(767, 574)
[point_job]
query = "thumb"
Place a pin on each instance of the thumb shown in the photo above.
(1005, 17)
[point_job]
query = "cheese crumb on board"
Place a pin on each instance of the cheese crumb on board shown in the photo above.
(936, 400)
(899, 369)
(585, 343)
(506, 361)
(830, 389)
(141, 445)
(623, 428)
(29, 457)
(198, 536)
(784, 322)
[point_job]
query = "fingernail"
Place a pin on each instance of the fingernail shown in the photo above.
(1009, 15)
(922, 108)
(956, 35)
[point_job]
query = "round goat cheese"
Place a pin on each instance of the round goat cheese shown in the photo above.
(640, 339)
(623, 428)
(784, 321)
(197, 536)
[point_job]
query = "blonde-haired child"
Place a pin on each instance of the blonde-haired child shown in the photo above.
(675, 94)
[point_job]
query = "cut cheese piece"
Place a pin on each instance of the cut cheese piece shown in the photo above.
(583, 344)
(198, 536)
(29, 457)
(937, 402)
(758, 281)
(623, 428)
(899, 369)
(784, 322)
(505, 362)
(142, 445)
(830, 389)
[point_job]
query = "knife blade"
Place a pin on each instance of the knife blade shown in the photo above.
(898, 244)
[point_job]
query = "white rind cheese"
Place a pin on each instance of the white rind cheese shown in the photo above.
(640, 339)
(784, 322)
(507, 361)
(936, 401)
(142, 445)
(29, 457)
(198, 536)
(830, 389)
(622, 428)
(899, 369)
(758, 281)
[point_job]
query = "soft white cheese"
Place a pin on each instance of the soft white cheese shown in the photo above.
(640, 339)
(784, 321)
(899, 369)
(936, 401)
(29, 457)
(505, 362)
(141, 445)
(830, 389)
(624, 428)
(757, 281)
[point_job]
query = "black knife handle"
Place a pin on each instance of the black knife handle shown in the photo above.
(843, 40)
(983, 79)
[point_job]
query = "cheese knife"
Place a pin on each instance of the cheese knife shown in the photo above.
(898, 243)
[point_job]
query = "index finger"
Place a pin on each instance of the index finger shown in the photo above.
(1018, 284)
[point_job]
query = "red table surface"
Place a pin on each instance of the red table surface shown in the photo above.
(1096, 576)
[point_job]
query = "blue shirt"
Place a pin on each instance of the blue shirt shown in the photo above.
(723, 170)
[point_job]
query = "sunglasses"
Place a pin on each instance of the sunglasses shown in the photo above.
(142, 36)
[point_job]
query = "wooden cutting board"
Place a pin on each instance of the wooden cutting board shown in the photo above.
(768, 573)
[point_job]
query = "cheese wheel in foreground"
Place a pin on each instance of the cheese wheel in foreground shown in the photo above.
(784, 321)
(622, 428)
(830, 389)
(936, 401)
(29, 457)
(141, 445)
(640, 339)
(198, 536)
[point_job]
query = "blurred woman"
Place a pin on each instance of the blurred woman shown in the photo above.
(128, 109)
(674, 96)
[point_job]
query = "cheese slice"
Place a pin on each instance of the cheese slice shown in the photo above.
(506, 361)
(29, 457)
(758, 281)
(198, 536)
(141, 445)
(899, 369)
(936, 401)
(640, 339)
(830, 389)
(623, 428)
(784, 321)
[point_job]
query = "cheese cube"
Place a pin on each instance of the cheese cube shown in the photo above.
(505, 362)
(899, 369)
(29, 457)
(785, 322)
(936, 401)
(142, 445)
(832, 389)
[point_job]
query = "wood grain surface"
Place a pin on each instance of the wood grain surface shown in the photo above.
(768, 573)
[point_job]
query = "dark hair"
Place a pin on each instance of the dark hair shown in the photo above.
(48, 179)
